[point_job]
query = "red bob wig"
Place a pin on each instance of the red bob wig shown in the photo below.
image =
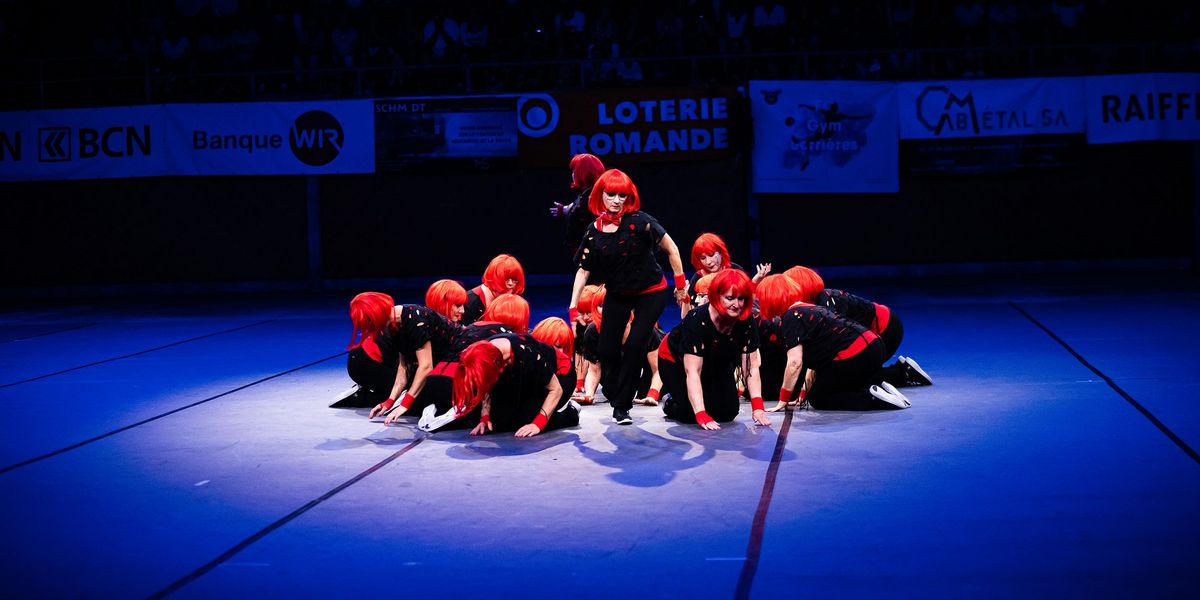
(556, 332)
(737, 283)
(810, 283)
(503, 267)
(704, 283)
(444, 295)
(585, 169)
(777, 293)
(597, 305)
(587, 299)
(613, 181)
(708, 243)
(510, 309)
(479, 368)
(370, 313)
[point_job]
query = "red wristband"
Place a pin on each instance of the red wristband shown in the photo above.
(540, 421)
(579, 385)
(803, 392)
(485, 419)
(653, 393)
(680, 281)
(406, 400)
(573, 314)
(756, 403)
(387, 404)
(703, 418)
(785, 395)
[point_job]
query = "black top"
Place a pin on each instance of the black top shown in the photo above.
(822, 332)
(859, 310)
(589, 343)
(533, 362)
(418, 325)
(696, 334)
(624, 259)
(474, 307)
(698, 274)
(475, 332)
(578, 218)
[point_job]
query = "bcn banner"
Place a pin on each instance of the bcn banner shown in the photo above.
(991, 108)
(82, 143)
(824, 137)
(1147, 107)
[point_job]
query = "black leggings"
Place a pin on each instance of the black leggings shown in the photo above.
(620, 364)
(721, 400)
(375, 379)
(892, 336)
(843, 385)
(515, 406)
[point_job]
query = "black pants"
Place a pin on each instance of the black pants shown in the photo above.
(770, 371)
(721, 400)
(620, 365)
(515, 406)
(892, 336)
(843, 385)
(375, 379)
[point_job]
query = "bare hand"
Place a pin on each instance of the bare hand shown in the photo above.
(778, 407)
(764, 269)
(378, 410)
(482, 428)
(760, 418)
(395, 414)
(558, 210)
(681, 297)
(710, 425)
(529, 430)
(647, 401)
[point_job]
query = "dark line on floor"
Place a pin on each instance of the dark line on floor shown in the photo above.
(138, 353)
(754, 548)
(63, 330)
(230, 553)
(157, 417)
(1142, 409)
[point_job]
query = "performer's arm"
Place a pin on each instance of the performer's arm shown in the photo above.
(553, 394)
(692, 367)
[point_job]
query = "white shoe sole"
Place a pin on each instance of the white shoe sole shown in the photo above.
(912, 364)
(431, 421)
(881, 394)
(891, 389)
(346, 394)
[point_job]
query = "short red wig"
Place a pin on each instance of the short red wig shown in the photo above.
(597, 305)
(776, 294)
(444, 295)
(503, 267)
(479, 369)
(810, 283)
(587, 299)
(613, 182)
(736, 282)
(709, 243)
(585, 169)
(556, 332)
(509, 309)
(704, 283)
(370, 313)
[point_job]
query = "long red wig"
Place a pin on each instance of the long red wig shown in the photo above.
(444, 295)
(479, 369)
(809, 281)
(370, 313)
(613, 181)
(736, 282)
(556, 332)
(709, 243)
(510, 309)
(585, 169)
(777, 293)
(503, 267)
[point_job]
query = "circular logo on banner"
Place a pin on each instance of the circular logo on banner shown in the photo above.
(316, 138)
(537, 115)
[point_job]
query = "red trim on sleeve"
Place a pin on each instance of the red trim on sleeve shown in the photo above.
(664, 352)
(658, 287)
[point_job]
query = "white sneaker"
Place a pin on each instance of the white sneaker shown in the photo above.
(891, 389)
(881, 394)
(918, 374)
(431, 421)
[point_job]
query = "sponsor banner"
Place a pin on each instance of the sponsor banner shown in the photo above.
(992, 155)
(475, 131)
(82, 143)
(631, 126)
(991, 108)
(1151, 106)
(824, 137)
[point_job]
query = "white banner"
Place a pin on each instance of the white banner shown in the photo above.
(1152, 106)
(271, 138)
(990, 108)
(82, 143)
(824, 137)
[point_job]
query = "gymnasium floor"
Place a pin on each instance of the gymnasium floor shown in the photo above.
(186, 449)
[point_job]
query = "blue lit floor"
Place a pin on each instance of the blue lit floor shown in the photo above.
(189, 450)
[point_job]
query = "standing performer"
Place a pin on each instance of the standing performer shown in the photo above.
(503, 275)
(844, 360)
(447, 298)
(619, 247)
(585, 168)
(649, 383)
(697, 359)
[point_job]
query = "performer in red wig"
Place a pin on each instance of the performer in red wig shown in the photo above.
(447, 297)
(503, 275)
(585, 169)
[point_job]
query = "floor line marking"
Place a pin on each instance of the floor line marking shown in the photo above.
(260, 534)
(1142, 409)
(157, 417)
(138, 353)
(63, 330)
(754, 547)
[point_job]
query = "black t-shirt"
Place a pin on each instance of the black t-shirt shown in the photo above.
(578, 218)
(418, 325)
(624, 259)
(822, 332)
(533, 362)
(475, 332)
(589, 342)
(696, 334)
(474, 307)
(859, 310)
